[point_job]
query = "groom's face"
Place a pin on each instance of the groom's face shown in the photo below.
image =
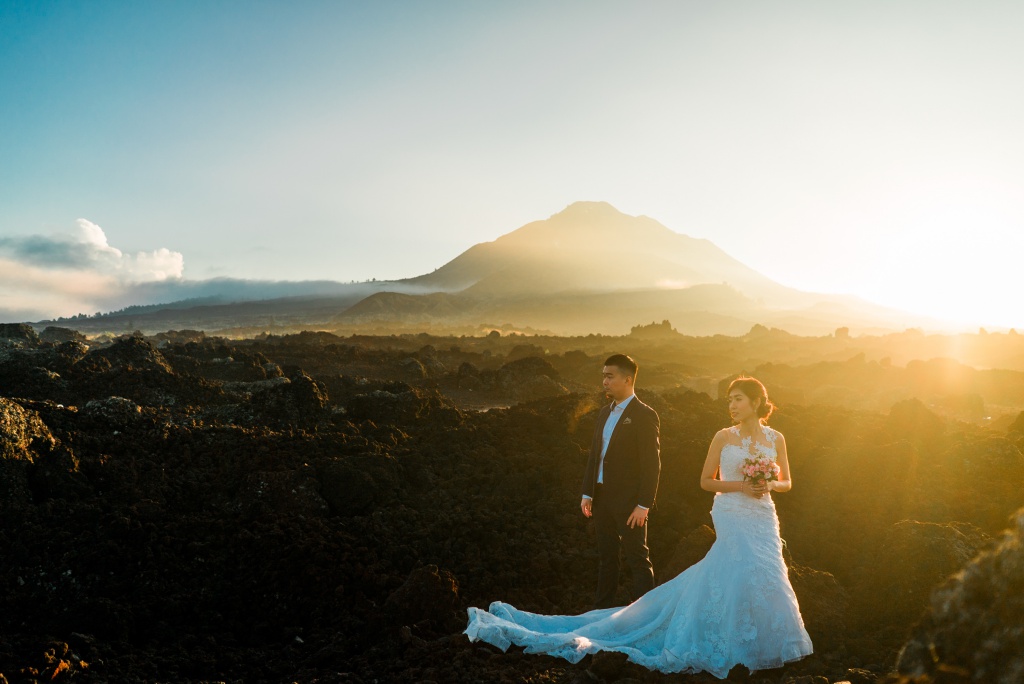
(617, 385)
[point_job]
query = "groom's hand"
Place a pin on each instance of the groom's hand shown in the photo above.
(585, 506)
(638, 517)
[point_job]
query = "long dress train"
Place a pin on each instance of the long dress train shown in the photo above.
(734, 607)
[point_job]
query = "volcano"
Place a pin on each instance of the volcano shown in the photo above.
(592, 269)
(587, 269)
(593, 247)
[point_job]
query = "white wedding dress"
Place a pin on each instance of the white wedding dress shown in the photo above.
(734, 607)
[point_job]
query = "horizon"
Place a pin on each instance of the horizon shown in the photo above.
(862, 149)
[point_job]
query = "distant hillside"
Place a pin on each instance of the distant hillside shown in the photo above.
(587, 269)
(282, 313)
(591, 268)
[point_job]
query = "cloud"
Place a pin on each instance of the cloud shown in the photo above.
(43, 276)
(29, 292)
(86, 248)
(47, 277)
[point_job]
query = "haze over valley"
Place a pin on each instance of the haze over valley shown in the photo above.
(587, 269)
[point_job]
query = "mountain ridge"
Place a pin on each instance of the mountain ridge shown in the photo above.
(591, 246)
(586, 269)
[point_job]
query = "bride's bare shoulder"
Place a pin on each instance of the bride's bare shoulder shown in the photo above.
(726, 434)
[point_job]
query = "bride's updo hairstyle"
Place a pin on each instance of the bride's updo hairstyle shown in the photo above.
(754, 390)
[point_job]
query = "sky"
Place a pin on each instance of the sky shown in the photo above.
(864, 147)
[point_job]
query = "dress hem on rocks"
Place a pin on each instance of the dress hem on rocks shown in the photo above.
(734, 607)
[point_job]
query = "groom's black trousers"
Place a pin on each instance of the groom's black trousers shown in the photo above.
(612, 532)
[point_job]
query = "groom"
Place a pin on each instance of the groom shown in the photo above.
(621, 482)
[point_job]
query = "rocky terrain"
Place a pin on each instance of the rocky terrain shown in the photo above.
(310, 508)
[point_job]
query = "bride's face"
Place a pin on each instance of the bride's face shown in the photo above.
(740, 407)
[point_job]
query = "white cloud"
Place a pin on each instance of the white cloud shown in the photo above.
(91, 234)
(141, 267)
(158, 265)
(86, 249)
(43, 276)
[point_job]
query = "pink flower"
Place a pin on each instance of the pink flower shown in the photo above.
(760, 468)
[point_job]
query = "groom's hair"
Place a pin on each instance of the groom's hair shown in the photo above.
(624, 364)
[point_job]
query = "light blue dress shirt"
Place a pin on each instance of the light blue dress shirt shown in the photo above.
(606, 436)
(609, 428)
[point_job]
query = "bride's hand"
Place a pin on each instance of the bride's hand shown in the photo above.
(754, 489)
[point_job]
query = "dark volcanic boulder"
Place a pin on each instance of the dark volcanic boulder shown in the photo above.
(55, 474)
(399, 403)
(128, 353)
(132, 368)
(823, 605)
(347, 490)
(539, 387)
(894, 584)
(281, 493)
(301, 400)
(358, 485)
(530, 378)
(114, 411)
(427, 356)
(21, 334)
(412, 369)
(976, 469)
(180, 336)
(427, 594)
(69, 353)
(22, 434)
(974, 622)
(232, 369)
(36, 372)
(608, 666)
(528, 367)
(33, 381)
(57, 335)
(912, 419)
(468, 377)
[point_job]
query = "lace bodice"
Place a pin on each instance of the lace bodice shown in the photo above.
(733, 455)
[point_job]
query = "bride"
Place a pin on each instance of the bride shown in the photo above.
(734, 607)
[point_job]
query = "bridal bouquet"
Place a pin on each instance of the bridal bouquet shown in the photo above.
(760, 469)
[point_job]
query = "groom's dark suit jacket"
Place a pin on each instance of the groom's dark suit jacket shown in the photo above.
(632, 463)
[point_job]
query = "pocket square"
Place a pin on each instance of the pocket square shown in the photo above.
(627, 421)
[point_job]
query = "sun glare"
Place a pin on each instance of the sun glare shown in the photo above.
(950, 255)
